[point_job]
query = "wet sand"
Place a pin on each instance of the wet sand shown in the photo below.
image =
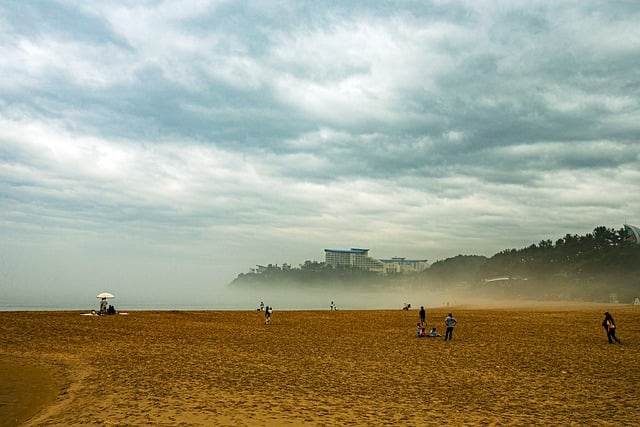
(521, 366)
(25, 388)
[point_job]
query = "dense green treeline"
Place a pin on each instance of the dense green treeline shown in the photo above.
(589, 267)
(602, 251)
(309, 274)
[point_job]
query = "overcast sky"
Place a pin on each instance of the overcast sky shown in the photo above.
(156, 149)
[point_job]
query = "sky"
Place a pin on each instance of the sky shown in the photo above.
(156, 149)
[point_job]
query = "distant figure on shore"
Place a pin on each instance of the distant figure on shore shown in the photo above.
(261, 305)
(332, 306)
(111, 310)
(610, 326)
(449, 322)
(433, 333)
(103, 307)
(267, 315)
(423, 316)
(406, 306)
(418, 329)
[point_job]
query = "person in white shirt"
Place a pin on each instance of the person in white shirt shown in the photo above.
(103, 306)
(449, 322)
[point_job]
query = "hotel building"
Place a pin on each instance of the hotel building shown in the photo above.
(354, 257)
(359, 258)
(397, 265)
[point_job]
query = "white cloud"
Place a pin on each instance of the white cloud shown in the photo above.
(577, 100)
(362, 70)
(33, 63)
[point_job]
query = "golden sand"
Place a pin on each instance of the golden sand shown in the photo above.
(523, 366)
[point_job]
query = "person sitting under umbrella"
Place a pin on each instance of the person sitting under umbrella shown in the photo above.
(103, 302)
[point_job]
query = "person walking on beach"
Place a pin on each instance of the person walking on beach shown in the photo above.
(610, 326)
(267, 315)
(449, 322)
(423, 316)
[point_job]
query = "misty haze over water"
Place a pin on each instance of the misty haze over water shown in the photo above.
(228, 299)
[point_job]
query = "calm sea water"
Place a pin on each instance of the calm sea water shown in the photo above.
(246, 300)
(281, 305)
(123, 307)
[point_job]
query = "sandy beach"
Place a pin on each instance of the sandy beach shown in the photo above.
(515, 366)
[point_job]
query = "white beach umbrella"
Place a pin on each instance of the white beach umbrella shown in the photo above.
(104, 295)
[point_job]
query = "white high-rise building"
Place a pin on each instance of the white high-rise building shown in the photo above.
(359, 258)
(354, 257)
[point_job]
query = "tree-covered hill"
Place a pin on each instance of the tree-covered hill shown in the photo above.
(312, 274)
(589, 267)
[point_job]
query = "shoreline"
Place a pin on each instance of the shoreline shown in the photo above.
(489, 304)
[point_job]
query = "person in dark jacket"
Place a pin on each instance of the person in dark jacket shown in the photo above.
(610, 326)
(267, 315)
(423, 316)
